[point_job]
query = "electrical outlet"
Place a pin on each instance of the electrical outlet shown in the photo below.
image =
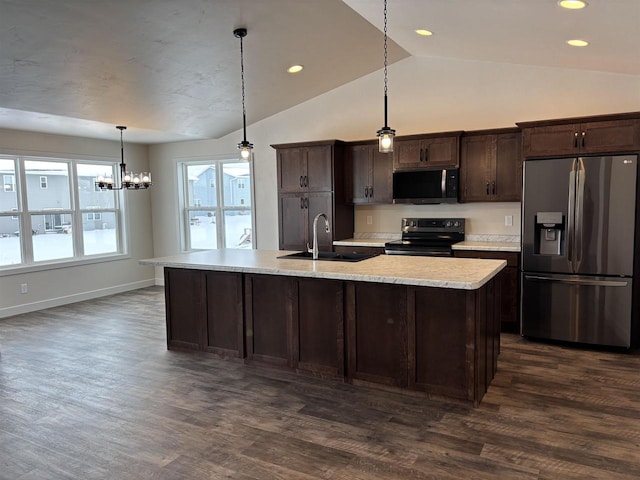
(23, 288)
(369, 220)
(508, 220)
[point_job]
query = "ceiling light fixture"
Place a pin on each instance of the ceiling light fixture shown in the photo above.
(244, 146)
(128, 180)
(295, 68)
(424, 33)
(385, 134)
(572, 4)
(578, 43)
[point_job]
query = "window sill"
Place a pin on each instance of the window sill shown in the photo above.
(20, 269)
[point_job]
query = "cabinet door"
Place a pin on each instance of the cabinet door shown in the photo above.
(292, 169)
(360, 161)
(551, 141)
(407, 154)
(319, 340)
(292, 221)
(476, 165)
(270, 315)
(508, 168)
(320, 202)
(224, 327)
(377, 333)
(184, 307)
(611, 136)
(381, 186)
(319, 174)
(440, 152)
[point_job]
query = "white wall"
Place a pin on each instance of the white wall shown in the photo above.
(66, 285)
(425, 95)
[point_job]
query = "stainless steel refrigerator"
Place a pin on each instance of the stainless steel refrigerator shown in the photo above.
(578, 243)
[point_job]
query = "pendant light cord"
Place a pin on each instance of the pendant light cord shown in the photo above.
(385, 64)
(244, 112)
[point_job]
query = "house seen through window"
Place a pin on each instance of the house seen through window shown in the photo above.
(217, 204)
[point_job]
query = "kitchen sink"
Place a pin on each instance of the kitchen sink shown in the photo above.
(331, 256)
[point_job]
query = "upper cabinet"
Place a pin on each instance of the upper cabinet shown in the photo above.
(582, 136)
(311, 180)
(303, 168)
(437, 150)
(491, 166)
(369, 174)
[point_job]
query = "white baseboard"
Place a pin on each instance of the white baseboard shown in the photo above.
(76, 297)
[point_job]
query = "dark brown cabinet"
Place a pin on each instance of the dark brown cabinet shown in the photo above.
(318, 337)
(369, 175)
(491, 166)
(204, 311)
(311, 180)
(377, 333)
(582, 136)
(508, 286)
(437, 150)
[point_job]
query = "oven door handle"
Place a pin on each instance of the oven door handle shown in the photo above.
(443, 184)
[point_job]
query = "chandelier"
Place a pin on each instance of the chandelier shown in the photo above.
(128, 180)
(244, 146)
(386, 133)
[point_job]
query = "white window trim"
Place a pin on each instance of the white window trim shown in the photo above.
(185, 209)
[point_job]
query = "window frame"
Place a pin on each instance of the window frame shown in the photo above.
(219, 209)
(24, 216)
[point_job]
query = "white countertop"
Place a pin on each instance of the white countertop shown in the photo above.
(487, 246)
(449, 272)
(478, 245)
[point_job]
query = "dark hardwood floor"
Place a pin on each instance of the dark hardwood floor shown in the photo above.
(89, 391)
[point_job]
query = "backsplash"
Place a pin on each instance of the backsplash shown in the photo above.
(483, 221)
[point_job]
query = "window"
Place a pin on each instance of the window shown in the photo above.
(217, 210)
(9, 183)
(68, 222)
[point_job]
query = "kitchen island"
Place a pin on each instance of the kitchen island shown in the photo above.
(423, 324)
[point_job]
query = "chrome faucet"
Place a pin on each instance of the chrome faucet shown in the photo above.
(314, 250)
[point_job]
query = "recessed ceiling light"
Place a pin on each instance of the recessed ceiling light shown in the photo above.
(295, 68)
(572, 4)
(424, 33)
(578, 43)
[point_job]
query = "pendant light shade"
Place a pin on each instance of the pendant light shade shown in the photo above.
(244, 146)
(128, 180)
(386, 133)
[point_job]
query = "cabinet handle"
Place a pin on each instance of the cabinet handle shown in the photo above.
(426, 154)
(493, 187)
(301, 181)
(370, 192)
(301, 202)
(583, 135)
(306, 203)
(306, 181)
(422, 154)
(366, 192)
(487, 188)
(575, 140)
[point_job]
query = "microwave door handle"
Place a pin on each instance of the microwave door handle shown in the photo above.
(443, 184)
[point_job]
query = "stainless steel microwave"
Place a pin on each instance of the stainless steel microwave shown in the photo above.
(426, 186)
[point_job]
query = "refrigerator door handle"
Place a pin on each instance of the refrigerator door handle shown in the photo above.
(570, 215)
(580, 182)
(579, 281)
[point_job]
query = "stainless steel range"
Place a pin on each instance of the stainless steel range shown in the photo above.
(427, 237)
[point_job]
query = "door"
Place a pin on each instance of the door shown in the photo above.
(477, 157)
(293, 222)
(508, 168)
(319, 169)
(380, 188)
(595, 310)
(291, 169)
(361, 170)
(605, 215)
(546, 189)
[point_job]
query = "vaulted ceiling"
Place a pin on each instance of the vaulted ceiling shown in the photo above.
(170, 69)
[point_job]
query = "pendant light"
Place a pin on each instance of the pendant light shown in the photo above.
(385, 134)
(128, 180)
(244, 146)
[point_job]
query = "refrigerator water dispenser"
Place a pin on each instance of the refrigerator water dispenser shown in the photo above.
(549, 238)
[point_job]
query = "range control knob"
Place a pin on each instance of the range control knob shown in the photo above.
(448, 224)
(456, 223)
